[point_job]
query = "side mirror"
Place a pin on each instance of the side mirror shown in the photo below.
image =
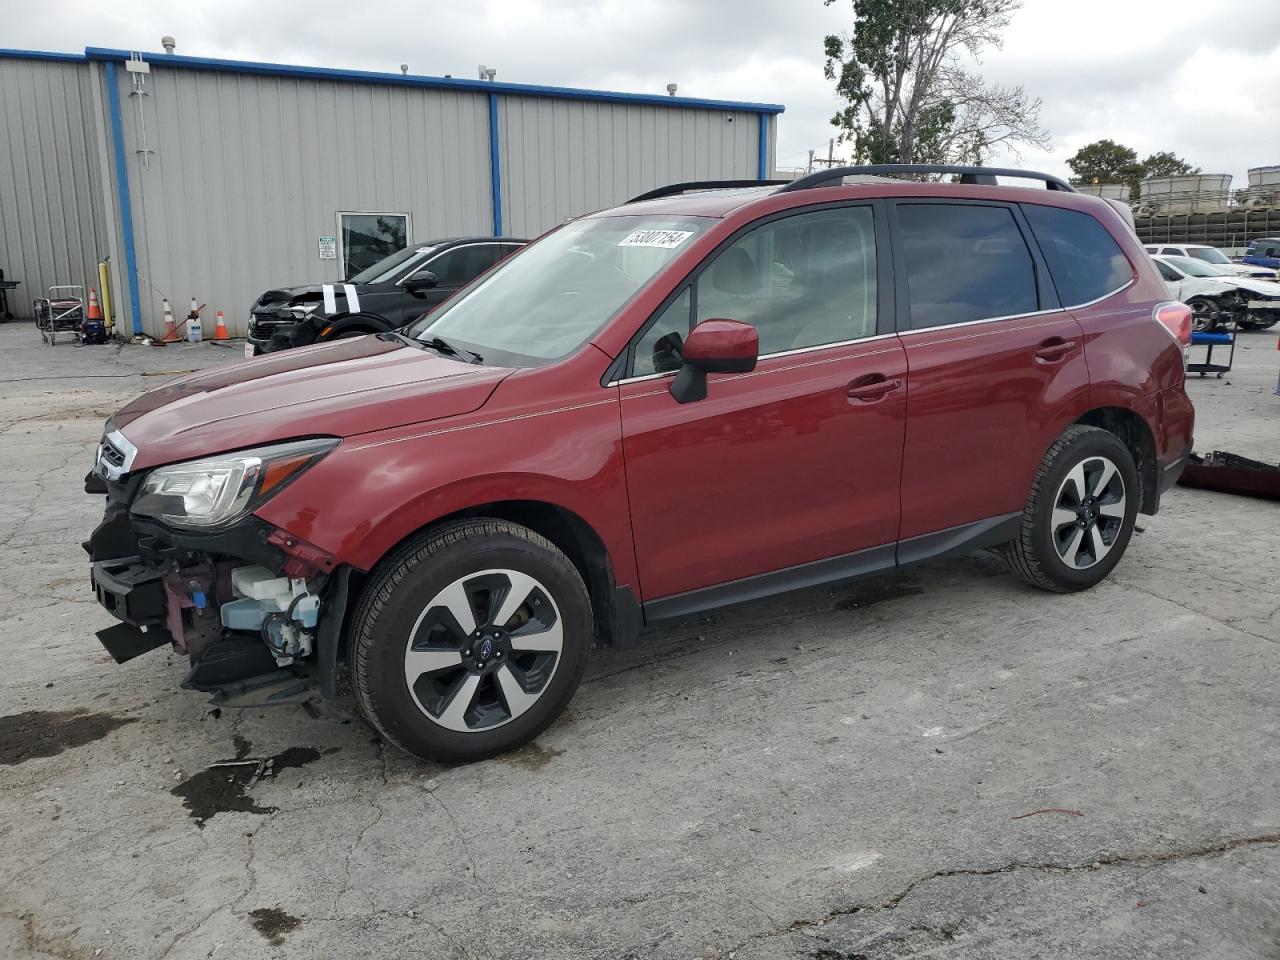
(422, 280)
(714, 346)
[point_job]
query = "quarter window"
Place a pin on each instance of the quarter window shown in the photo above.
(964, 262)
(1084, 259)
(658, 349)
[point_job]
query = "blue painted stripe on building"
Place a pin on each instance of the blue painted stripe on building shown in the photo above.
(495, 165)
(763, 166)
(6, 54)
(122, 189)
(444, 83)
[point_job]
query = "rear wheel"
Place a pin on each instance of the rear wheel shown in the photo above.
(1081, 512)
(470, 641)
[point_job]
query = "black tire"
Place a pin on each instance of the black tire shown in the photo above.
(1034, 555)
(1205, 314)
(1254, 322)
(394, 606)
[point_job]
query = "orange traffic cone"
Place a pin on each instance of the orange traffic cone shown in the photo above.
(95, 311)
(220, 328)
(170, 328)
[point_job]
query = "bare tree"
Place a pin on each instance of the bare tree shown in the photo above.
(909, 97)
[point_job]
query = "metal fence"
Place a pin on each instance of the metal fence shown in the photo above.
(1226, 228)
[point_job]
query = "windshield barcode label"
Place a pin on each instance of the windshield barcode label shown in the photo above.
(664, 239)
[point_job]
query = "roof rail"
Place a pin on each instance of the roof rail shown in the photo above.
(971, 175)
(671, 189)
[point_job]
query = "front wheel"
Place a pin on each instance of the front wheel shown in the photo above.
(1205, 314)
(1081, 512)
(470, 640)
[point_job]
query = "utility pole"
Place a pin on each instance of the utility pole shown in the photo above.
(809, 168)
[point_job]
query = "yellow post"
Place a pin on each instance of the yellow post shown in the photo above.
(106, 295)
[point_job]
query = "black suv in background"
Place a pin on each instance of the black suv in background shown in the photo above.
(393, 292)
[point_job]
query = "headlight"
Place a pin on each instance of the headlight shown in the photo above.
(203, 494)
(304, 310)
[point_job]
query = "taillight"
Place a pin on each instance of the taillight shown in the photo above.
(1176, 318)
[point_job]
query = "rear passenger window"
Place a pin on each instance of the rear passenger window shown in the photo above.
(965, 262)
(1084, 259)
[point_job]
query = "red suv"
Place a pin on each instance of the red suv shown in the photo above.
(700, 397)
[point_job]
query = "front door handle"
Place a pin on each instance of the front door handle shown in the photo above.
(874, 386)
(1054, 349)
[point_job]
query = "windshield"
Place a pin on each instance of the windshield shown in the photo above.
(386, 268)
(1198, 268)
(546, 302)
(1208, 254)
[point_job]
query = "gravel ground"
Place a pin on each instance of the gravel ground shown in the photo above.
(939, 761)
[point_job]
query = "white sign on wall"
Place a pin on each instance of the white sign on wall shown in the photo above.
(328, 248)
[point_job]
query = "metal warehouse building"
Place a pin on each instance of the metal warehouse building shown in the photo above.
(217, 179)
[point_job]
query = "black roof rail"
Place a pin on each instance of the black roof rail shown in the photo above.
(671, 189)
(972, 175)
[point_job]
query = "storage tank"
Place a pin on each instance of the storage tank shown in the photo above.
(1264, 187)
(1108, 191)
(1187, 193)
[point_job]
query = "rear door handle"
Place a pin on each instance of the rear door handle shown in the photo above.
(1055, 348)
(873, 386)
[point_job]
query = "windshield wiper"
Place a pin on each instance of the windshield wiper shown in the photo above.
(438, 344)
(442, 345)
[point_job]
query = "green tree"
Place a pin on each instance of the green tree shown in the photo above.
(908, 98)
(1105, 161)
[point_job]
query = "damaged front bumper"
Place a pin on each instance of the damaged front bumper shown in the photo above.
(257, 612)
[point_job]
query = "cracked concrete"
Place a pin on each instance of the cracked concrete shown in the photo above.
(830, 775)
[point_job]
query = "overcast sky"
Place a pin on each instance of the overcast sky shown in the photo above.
(1200, 79)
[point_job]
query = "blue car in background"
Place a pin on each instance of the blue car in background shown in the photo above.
(1263, 253)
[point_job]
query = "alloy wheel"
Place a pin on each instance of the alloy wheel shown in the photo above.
(1088, 513)
(484, 650)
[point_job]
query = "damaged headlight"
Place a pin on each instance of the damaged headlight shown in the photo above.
(210, 493)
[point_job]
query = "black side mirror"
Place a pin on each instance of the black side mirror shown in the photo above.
(422, 280)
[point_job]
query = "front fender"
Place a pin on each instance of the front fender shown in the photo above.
(366, 322)
(377, 489)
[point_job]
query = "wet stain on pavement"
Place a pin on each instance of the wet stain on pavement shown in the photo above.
(273, 923)
(531, 757)
(224, 786)
(46, 733)
(868, 593)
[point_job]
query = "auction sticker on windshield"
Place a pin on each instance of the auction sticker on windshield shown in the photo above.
(663, 239)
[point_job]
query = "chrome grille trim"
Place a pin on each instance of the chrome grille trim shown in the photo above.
(115, 456)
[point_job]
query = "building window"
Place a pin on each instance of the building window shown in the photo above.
(368, 237)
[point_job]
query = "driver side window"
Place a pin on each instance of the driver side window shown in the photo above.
(801, 281)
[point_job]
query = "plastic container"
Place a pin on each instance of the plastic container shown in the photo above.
(195, 333)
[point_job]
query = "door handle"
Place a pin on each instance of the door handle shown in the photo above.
(872, 387)
(1055, 348)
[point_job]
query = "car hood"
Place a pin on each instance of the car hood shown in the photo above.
(338, 389)
(1266, 288)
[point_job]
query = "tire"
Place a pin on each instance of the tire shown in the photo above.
(1204, 314)
(1047, 553)
(416, 619)
(1254, 322)
(352, 334)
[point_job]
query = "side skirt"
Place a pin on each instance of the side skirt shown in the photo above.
(953, 541)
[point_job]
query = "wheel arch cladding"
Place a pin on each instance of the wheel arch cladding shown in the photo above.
(1135, 433)
(364, 322)
(616, 622)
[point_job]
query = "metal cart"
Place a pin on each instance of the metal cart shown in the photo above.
(60, 312)
(1210, 340)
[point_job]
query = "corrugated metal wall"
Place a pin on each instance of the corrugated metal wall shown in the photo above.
(563, 158)
(52, 230)
(249, 171)
(233, 175)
